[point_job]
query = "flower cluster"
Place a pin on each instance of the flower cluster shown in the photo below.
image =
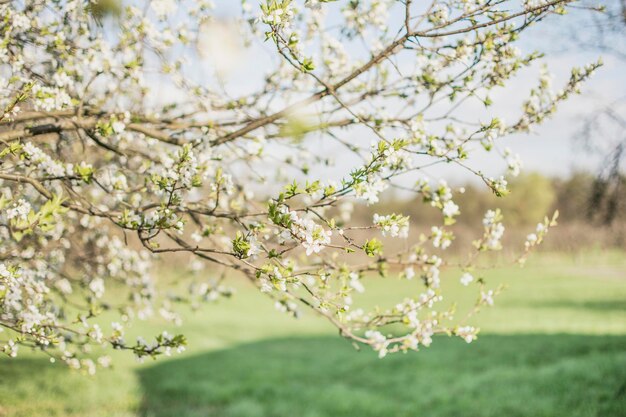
(441, 238)
(394, 225)
(45, 163)
(277, 12)
(311, 235)
(370, 189)
(494, 230)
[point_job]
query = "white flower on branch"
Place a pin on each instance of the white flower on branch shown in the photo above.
(466, 278)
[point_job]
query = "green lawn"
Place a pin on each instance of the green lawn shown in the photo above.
(554, 345)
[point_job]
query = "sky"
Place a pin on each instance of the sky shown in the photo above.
(551, 149)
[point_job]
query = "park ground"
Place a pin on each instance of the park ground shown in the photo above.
(553, 345)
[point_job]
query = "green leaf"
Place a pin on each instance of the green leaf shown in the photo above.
(373, 247)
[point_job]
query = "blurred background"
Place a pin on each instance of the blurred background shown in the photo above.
(554, 344)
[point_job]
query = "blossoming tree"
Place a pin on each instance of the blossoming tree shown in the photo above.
(114, 149)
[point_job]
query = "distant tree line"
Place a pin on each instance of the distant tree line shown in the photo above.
(587, 208)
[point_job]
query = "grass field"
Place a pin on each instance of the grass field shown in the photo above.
(553, 345)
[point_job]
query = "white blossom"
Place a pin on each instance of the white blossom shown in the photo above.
(19, 210)
(393, 225)
(467, 333)
(466, 278)
(163, 8)
(487, 297)
(97, 287)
